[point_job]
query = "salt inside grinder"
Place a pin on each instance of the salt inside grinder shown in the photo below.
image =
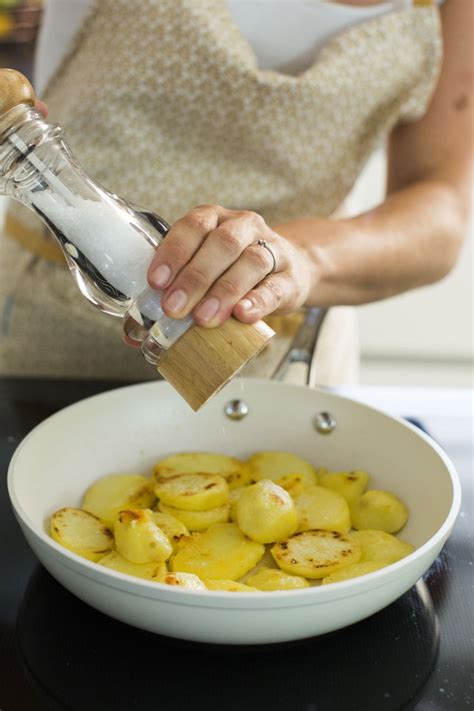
(108, 245)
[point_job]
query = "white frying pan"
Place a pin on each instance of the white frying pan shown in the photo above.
(131, 428)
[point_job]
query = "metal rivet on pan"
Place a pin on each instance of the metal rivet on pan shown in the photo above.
(236, 409)
(324, 422)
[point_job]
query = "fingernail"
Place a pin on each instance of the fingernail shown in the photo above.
(208, 309)
(177, 300)
(246, 304)
(161, 276)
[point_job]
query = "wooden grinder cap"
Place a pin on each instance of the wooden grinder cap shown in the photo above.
(14, 89)
(203, 360)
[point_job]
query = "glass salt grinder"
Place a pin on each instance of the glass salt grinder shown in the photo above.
(108, 245)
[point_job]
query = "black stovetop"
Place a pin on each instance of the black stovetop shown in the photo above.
(58, 653)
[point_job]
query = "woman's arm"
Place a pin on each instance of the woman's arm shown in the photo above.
(210, 263)
(414, 237)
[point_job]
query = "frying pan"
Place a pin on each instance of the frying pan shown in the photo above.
(129, 429)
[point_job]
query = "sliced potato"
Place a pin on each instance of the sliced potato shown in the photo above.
(275, 465)
(322, 508)
(222, 552)
(139, 539)
(198, 520)
(234, 496)
(276, 579)
(111, 494)
(233, 470)
(380, 510)
(379, 546)
(353, 571)
(192, 492)
(172, 527)
(182, 580)
(229, 586)
(81, 532)
(316, 554)
(267, 561)
(293, 483)
(241, 478)
(266, 512)
(350, 485)
(115, 561)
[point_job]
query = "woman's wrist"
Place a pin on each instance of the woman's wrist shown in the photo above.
(410, 240)
(326, 248)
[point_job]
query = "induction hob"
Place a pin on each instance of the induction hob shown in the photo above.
(58, 653)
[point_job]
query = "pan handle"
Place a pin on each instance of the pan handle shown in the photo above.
(303, 347)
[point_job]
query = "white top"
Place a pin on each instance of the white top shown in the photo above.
(285, 35)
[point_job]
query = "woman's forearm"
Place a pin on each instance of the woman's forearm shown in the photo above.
(410, 240)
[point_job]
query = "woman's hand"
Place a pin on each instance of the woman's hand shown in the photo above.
(211, 264)
(41, 107)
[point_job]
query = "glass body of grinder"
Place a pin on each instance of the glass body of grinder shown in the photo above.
(107, 242)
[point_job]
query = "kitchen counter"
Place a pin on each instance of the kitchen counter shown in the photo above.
(58, 653)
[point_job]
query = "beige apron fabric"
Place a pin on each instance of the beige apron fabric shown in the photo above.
(167, 107)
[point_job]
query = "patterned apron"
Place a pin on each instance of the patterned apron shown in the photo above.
(164, 104)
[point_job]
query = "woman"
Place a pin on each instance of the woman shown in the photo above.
(174, 107)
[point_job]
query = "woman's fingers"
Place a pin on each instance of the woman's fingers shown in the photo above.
(41, 107)
(274, 292)
(216, 262)
(181, 243)
(207, 273)
(254, 265)
(130, 341)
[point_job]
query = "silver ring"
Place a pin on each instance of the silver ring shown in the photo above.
(263, 243)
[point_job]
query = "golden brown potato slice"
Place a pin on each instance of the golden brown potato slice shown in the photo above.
(228, 586)
(233, 470)
(380, 510)
(192, 492)
(182, 580)
(115, 561)
(266, 512)
(316, 554)
(276, 579)
(139, 539)
(116, 492)
(275, 465)
(293, 483)
(267, 561)
(353, 571)
(379, 546)
(198, 520)
(322, 508)
(172, 527)
(350, 485)
(81, 532)
(234, 496)
(222, 552)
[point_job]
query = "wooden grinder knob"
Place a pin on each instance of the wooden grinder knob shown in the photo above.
(14, 89)
(203, 360)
